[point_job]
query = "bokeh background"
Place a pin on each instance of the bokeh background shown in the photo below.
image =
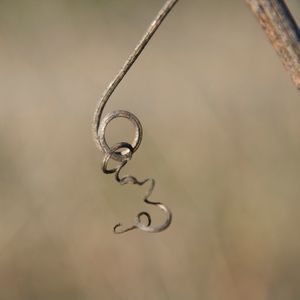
(221, 138)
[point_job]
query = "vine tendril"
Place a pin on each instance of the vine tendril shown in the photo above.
(123, 157)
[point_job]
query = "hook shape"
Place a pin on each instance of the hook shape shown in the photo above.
(123, 157)
(126, 67)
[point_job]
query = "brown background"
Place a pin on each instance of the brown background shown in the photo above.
(222, 139)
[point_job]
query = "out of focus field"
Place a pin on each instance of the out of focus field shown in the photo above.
(222, 139)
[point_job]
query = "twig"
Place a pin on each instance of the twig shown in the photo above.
(283, 33)
(128, 64)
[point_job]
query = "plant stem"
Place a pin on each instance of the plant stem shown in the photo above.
(282, 31)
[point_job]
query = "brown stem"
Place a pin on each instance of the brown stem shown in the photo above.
(283, 33)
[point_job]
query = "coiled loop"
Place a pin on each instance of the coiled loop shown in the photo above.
(123, 158)
(99, 128)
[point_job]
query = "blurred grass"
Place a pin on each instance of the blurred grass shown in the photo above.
(221, 121)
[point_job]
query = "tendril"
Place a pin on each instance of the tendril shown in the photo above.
(123, 152)
(129, 179)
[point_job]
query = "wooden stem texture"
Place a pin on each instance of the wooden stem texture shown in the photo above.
(282, 31)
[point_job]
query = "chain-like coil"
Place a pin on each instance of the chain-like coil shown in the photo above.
(123, 157)
(123, 152)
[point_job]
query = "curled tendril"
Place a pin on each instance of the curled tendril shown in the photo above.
(122, 157)
(128, 179)
(135, 226)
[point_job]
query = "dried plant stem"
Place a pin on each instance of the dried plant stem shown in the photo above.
(282, 31)
(128, 64)
(100, 125)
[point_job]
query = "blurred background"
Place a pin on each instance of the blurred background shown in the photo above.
(221, 138)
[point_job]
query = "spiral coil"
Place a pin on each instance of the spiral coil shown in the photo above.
(123, 152)
(123, 157)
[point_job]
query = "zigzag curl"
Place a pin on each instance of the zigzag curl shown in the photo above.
(129, 179)
(99, 127)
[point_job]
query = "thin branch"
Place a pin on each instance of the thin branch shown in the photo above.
(128, 64)
(283, 33)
